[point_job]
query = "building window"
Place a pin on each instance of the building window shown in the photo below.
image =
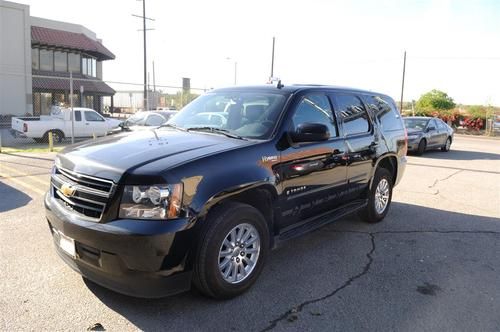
(89, 66)
(45, 103)
(35, 58)
(60, 61)
(46, 60)
(94, 68)
(74, 62)
(84, 65)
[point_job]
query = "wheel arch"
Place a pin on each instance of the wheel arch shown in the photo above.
(389, 162)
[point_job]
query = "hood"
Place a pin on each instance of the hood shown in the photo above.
(114, 123)
(112, 156)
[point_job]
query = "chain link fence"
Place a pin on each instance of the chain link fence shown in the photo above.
(53, 110)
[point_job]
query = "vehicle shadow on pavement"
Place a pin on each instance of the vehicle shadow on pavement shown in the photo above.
(459, 155)
(16, 198)
(417, 263)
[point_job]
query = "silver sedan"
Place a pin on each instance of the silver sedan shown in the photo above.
(425, 133)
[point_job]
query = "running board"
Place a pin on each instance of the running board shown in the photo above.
(314, 223)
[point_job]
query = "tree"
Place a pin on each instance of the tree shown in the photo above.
(434, 101)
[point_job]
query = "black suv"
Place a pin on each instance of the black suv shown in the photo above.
(202, 199)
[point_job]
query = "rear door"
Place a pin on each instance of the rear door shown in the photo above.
(442, 130)
(361, 143)
(80, 127)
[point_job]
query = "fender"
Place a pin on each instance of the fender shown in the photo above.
(382, 157)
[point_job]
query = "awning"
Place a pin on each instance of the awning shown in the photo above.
(55, 83)
(71, 40)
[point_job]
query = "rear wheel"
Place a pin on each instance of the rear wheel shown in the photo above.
(447, 145)
(57, 136)
(379, 197)
(422, 145)
(233, 250)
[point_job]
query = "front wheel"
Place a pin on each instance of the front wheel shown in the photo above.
(379, 197)
(234, 246)
(422, 145)
(447, 145)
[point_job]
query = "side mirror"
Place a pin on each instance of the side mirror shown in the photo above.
(310, 132)
(430, 129)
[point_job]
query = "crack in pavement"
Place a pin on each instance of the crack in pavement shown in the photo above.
(445, 178)
(366, 268)
(299, 308)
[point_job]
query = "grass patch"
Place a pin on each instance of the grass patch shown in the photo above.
(34, 150)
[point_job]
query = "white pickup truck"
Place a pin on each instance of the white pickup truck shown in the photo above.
(87, 123)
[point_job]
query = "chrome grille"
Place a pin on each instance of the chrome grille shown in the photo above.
(90, 194)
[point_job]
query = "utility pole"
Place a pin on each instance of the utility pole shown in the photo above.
(403, 82)
(235, 71)
(144, 18)
(272, 62)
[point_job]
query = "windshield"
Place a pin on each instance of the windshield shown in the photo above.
(245, 114)
(137, 118)
(416, 123)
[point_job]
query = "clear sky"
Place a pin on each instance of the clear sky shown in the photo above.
(452, 45)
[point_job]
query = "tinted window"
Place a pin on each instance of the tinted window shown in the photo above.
(385, 111)
(92, 116)
(353, 114)
(60, 61)
(315, 108)
(35, 63)
(46, 60)
(154, 120)
(78, 116)
(74, 62)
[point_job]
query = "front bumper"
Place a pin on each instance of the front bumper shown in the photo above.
(137, 258)
(413, 144)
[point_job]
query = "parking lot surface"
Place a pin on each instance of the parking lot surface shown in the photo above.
(432, 264)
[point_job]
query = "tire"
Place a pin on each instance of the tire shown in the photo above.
(422, 145)
(57, 135)
(208, 275)
(447, 145)
(381, 186)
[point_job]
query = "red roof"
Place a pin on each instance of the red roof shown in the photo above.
(71, 40)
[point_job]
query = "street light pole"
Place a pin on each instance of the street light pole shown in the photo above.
(145, 61)
(235, 71)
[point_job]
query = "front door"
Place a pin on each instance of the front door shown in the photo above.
(95, 124)
(313, 175)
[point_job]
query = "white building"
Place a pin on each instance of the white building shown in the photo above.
(36, 57)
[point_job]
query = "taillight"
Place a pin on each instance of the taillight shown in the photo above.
(25, 127)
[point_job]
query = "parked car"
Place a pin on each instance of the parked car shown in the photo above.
(87, 123)
(152, 212)
(146, 119)
(425, 133)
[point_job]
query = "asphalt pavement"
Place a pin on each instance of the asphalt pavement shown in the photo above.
(432, 265)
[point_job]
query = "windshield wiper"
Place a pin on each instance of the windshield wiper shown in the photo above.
(216, 131)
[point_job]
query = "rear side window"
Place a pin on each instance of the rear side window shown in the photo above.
(385, 112)
(441, 124)
(353, 114)
(78, 116)
(315, 108)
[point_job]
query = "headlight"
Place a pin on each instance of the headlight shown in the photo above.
(151, 202)
(412, 137)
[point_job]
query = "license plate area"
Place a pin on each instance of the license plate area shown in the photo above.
(67, 244)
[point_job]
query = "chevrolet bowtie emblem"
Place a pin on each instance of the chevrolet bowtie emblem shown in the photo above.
(68, 190)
